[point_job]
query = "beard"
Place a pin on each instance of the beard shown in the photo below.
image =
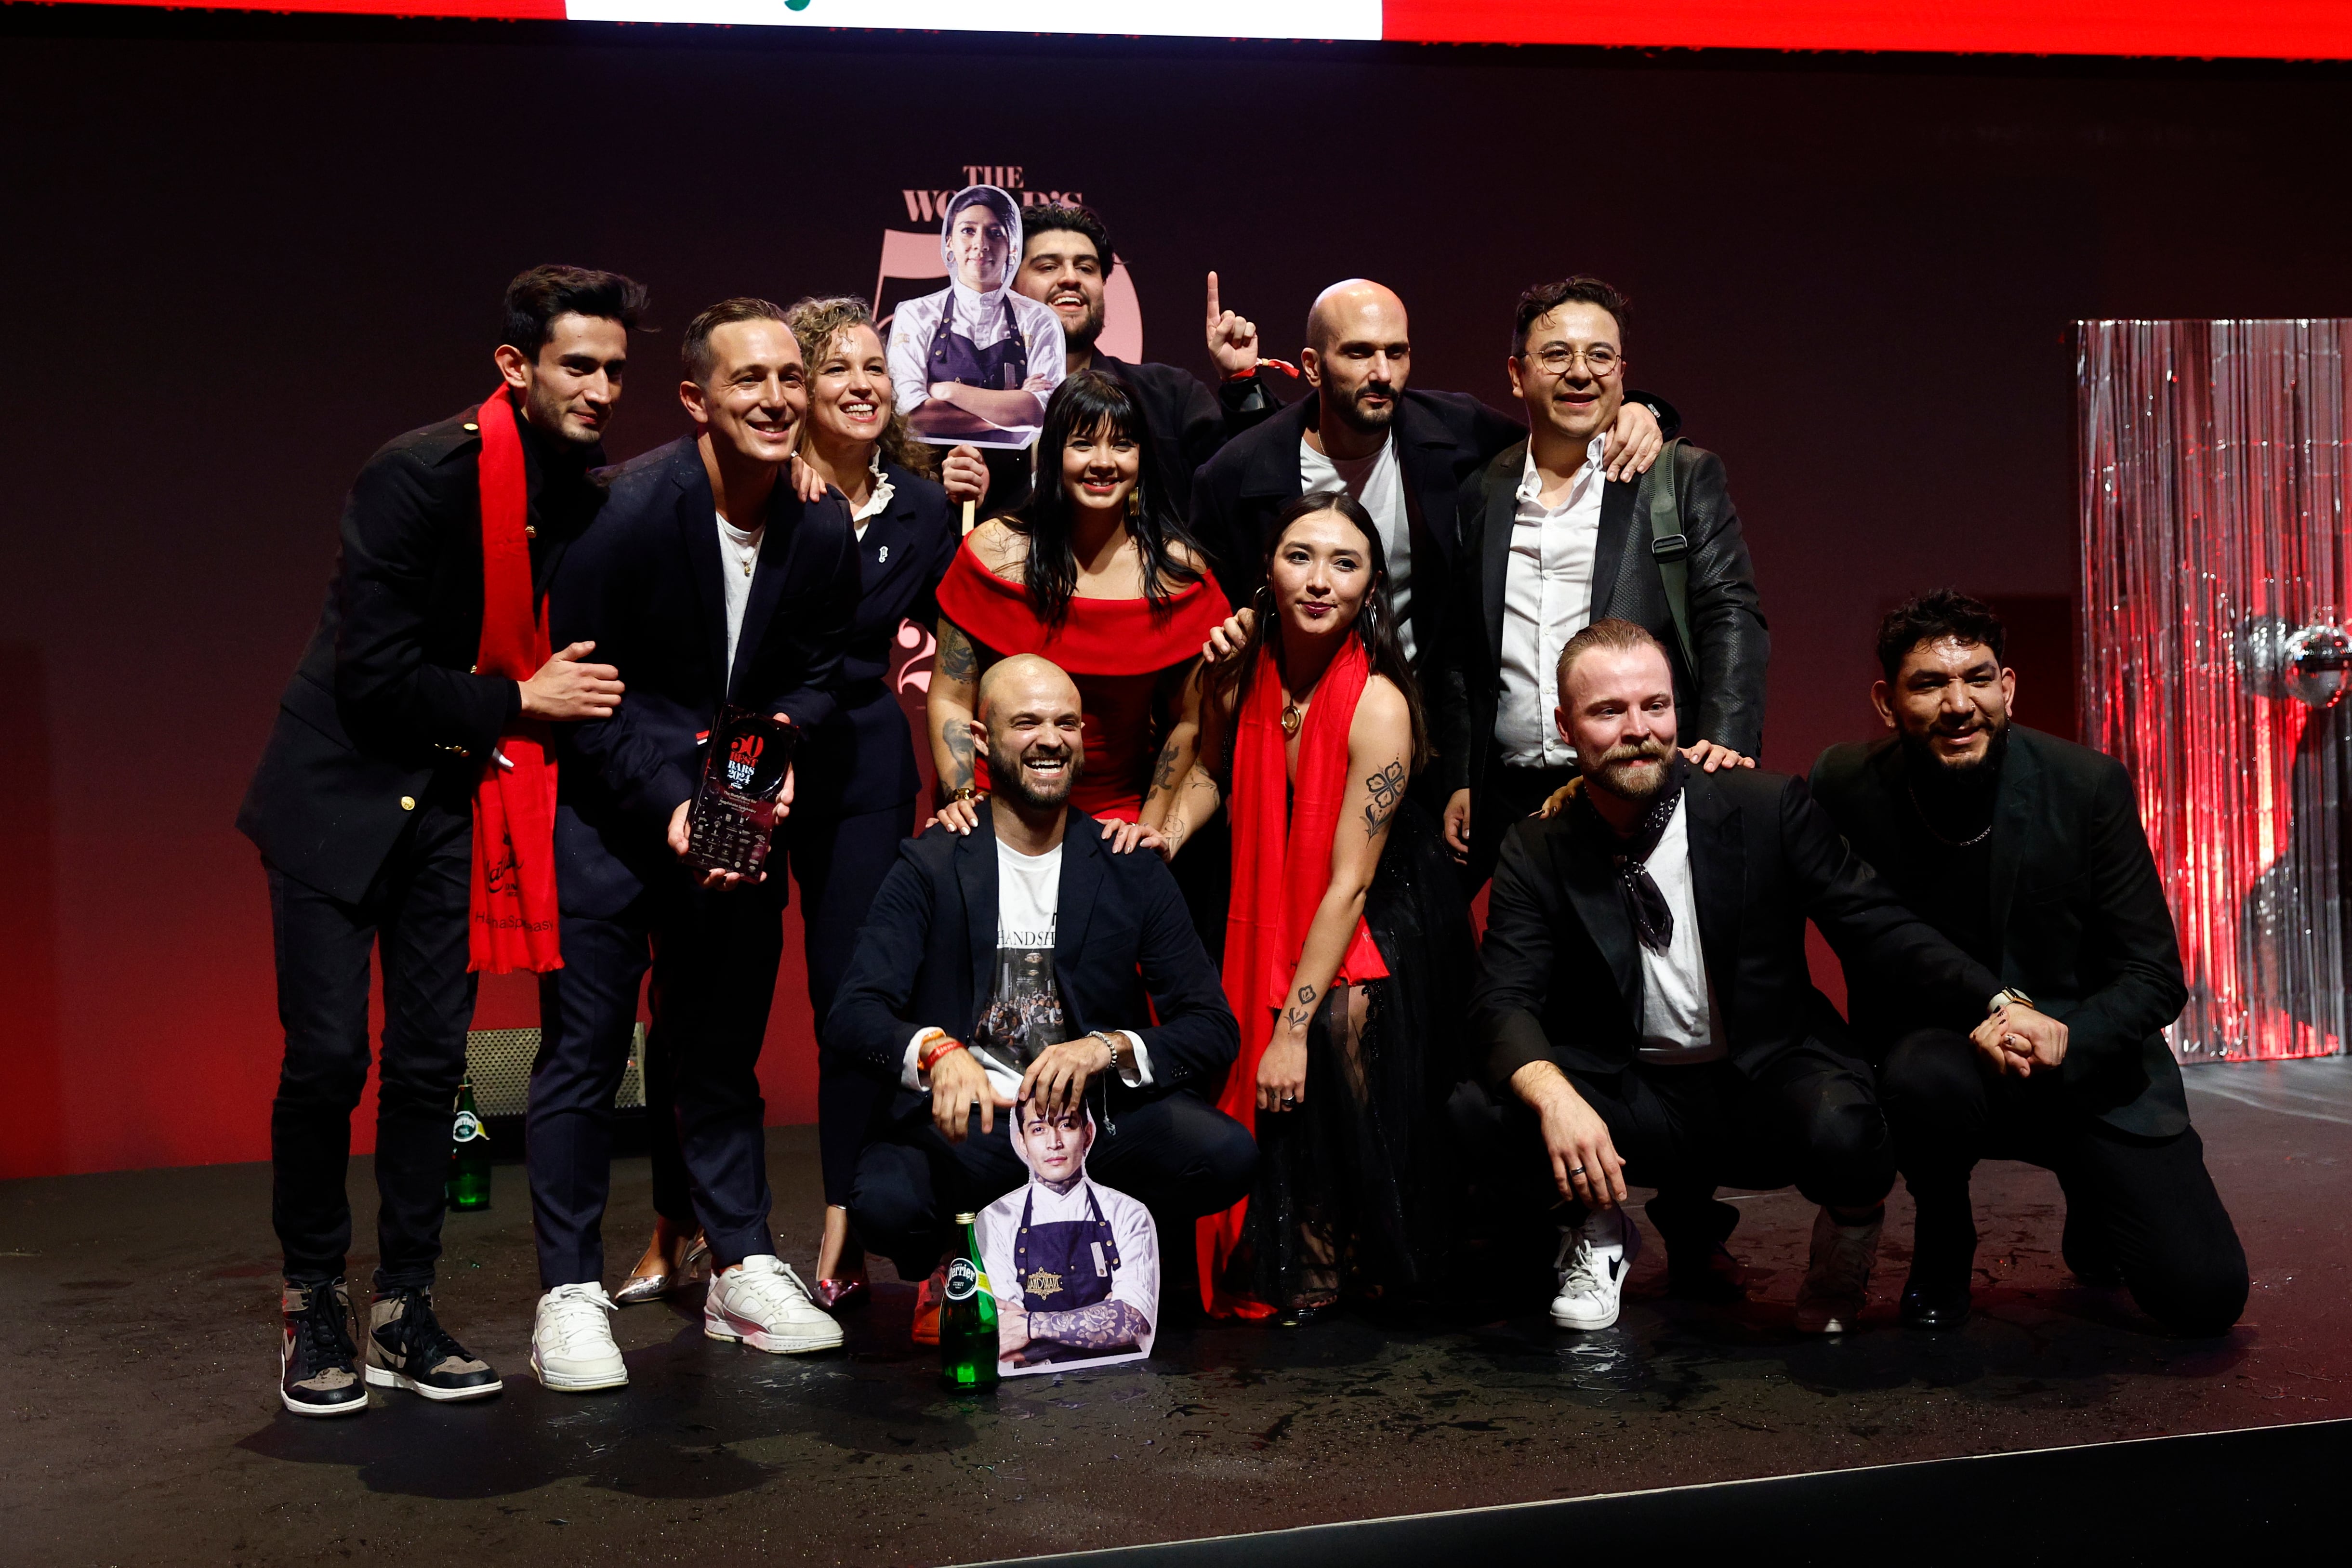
(1926, 764)
(1005, 777)
(1614, 772)
(1084, 334)
(1370, 420)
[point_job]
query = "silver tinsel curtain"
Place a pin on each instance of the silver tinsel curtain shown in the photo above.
(2215, 572)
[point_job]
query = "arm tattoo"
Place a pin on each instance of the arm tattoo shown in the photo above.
(957, 661)
(1387, 793)
(960, 754)
(1164, 776)
(1103, 1326)
(1304, 1010)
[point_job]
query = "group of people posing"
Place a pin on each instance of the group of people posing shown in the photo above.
(1236, 708)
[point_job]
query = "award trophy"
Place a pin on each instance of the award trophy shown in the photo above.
(734, 808)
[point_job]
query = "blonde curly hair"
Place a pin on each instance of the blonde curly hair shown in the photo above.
(816, 322)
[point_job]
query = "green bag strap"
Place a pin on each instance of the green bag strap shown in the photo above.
(1670, 547)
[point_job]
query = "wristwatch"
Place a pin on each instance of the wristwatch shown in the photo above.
(2003, 997)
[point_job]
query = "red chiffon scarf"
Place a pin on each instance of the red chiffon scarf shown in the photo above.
(1282, 866)
(513, 923)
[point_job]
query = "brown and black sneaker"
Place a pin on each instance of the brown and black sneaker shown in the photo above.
(315, 1374)
(408, 1348)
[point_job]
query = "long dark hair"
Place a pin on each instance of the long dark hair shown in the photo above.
(1375, 623)
(1083, 403)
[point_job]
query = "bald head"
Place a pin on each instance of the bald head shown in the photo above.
(1359, 352)
(1025, 680)
(1034, 729)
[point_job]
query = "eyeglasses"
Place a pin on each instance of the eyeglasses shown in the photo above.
(1600, 360)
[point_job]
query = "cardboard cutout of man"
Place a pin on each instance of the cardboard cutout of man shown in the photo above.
(976, 361)
(1075, 1265)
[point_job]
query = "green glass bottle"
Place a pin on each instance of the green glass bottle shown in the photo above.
(469, 1155)
(968, 1318)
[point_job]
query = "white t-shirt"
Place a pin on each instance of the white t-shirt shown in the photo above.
(1679, 1023)
(1377, 483)
(739, 555)
(1023, 1012)
(1547, 594)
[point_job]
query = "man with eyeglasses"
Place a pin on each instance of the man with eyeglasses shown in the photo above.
(1552, 540)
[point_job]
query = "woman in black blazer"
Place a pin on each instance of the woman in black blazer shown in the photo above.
(853, 796)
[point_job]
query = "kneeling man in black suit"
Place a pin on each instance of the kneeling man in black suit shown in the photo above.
(2027, 852)
(1034, 957)
(1643, 994)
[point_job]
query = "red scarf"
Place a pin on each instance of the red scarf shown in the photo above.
(514, 920)
(1282, 866)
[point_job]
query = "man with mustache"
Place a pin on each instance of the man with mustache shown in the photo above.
(1402, 453)
(1033, 959)
(1065, 262)
(1644, 1005)
(1551, 543)
(425, 672)
(2027, 852)
(712, 584)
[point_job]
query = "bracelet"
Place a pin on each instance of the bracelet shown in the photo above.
(1115, 1044)
(949, 1049)
(932, 1044)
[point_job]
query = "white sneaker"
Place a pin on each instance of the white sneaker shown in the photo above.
(572, 1346)
(1837, 1281)
(763, 1304)
(1595, 1260)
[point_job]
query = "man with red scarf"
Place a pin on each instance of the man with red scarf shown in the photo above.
(404, 806)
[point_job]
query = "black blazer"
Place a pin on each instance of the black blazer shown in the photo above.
(862, 757)
(643, 582)
(1722, 700)
(1559, 973)
(1189, 422)
(385, 705)
(1125, 956)
(2084, 926)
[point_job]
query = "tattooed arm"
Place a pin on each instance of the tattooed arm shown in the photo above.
(1193, 797)
(1380, 748)
(1176, 753)
(1105, 1325)
(948, 708)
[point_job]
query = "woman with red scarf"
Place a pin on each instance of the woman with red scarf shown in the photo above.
(1348, 946)
(1095, 573)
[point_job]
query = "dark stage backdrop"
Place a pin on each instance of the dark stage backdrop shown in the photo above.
(241, 259)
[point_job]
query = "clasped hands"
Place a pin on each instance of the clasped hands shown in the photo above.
(1056, 1080)
(2017, 1040)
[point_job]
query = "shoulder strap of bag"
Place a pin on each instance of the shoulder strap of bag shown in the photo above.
(1670, 547)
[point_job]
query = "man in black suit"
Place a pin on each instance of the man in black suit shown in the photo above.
(710, 582)
(1034, 957)
(1644, 997)
(1551, 543)
(362, 809)
(2027, 852)
(1402, 453)
(1065, 262)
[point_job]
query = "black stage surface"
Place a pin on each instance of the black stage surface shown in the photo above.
(136, 1320)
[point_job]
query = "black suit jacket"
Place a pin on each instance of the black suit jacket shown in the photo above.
(2084, 926)
(1125, 956)
(385, 699)
(1559, 973)
(1722, 700)
(862, 757)
(643, 582)
(1190, 423)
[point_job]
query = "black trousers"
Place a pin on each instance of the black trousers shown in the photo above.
(839, 864)
(416, 918)
(1506, 797)
(1807, 1119)
(2141, 1207)
(713, 958)
(1177, 1155)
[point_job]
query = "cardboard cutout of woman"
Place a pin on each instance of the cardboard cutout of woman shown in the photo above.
(1076, 1267)
(975, 362)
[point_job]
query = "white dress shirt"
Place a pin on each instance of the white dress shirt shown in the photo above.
(1136, 1281)
(1546, 599)
(1679, 1022)
(1377, 483)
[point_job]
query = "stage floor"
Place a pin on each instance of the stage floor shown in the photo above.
(137, 1325)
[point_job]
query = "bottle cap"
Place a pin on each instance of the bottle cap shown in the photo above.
(966, 1219)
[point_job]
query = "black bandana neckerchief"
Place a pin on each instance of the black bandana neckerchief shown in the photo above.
(1630, 855)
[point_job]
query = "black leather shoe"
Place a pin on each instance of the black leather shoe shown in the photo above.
(1931, 1309)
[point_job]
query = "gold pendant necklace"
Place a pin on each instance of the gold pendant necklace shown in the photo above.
(1291, 718)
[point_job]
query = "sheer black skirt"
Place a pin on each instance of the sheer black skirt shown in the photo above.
(1357, 1189)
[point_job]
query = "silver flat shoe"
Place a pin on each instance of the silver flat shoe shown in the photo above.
(694, 1269)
